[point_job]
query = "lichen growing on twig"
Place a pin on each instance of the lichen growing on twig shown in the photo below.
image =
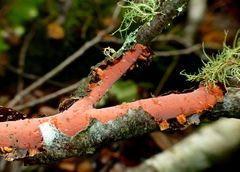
(143, 11)
(224, 68)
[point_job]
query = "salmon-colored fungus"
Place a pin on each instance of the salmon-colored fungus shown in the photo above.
(26, 134)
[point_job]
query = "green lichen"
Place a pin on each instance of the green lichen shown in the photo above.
(223, 68)
(143, 11)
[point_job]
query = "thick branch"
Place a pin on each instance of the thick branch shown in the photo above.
(197, 152)
(70, 129)
(133, 123)
(169, 10)
(81, 128)
(228, 108)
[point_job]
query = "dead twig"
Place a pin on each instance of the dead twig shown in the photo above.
(49, 96)
(184, 51)
(66, 62)
(22, 57)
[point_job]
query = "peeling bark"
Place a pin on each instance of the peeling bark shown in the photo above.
(133, 123)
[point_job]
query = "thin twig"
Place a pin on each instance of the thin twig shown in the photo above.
(66, 62)
(49, 97)
(174, 62)
(184, 51)
(189, 48)
(22, 57)
(166, 75)
(57, 69)
(196, 12)
(34, 77)
(64, 8)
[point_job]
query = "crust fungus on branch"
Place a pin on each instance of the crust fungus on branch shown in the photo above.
(80, 128)
(38, 136)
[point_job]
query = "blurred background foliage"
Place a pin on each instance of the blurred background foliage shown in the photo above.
(51, 30)
(36, 36)
(57, 29)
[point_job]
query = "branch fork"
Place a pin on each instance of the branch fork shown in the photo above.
(38, 137)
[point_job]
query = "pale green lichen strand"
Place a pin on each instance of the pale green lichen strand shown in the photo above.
(221, 69)
(111, 54)
(143, 11)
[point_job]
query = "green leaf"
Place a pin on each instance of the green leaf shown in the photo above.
(3, 45)
(23, 10)
(125, 91)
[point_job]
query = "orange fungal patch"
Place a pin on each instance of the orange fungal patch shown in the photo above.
(181, 119)
(92, 85)
(27, 134)
(6, 149)
(99, 72)
(164, 125)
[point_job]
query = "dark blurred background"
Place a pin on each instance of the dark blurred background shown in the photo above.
(36, 36)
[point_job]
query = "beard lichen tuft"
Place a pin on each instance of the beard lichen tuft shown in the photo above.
(141, 10)
(224, 68)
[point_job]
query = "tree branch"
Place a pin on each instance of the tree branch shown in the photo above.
(169, 10)
(197, 152)
(40, 135)
(81, 128)
(66, 62)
